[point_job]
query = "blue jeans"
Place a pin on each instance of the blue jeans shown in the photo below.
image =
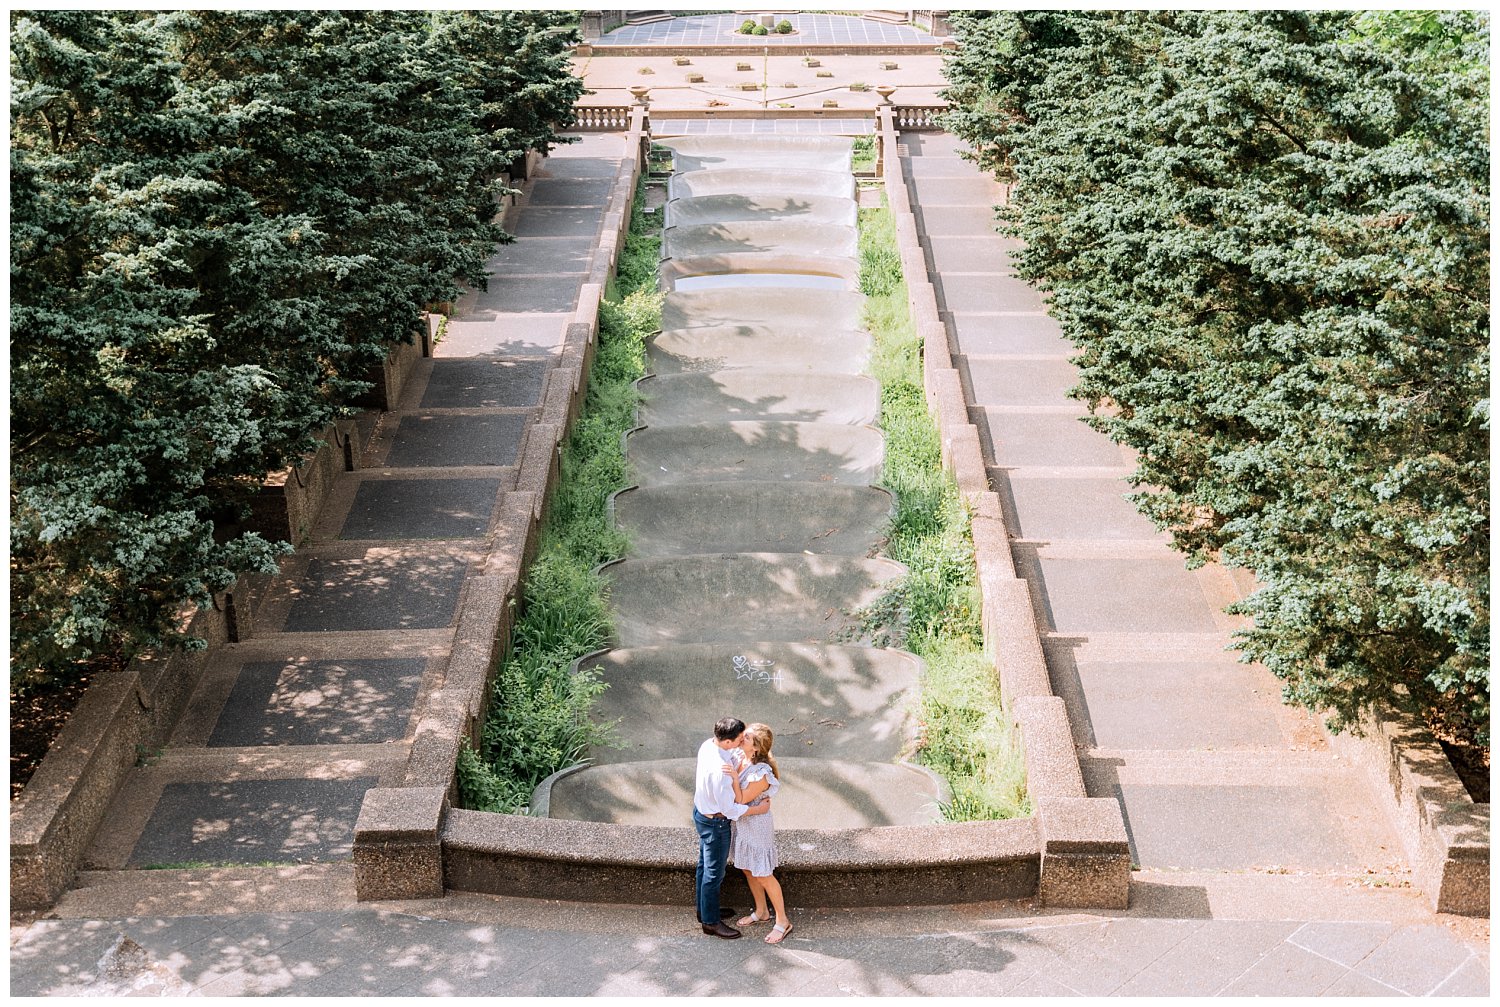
(713, 863)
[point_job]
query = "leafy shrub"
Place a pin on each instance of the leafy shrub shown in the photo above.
(747, 28)
(760, 29)
(207, 262)
(783, 27)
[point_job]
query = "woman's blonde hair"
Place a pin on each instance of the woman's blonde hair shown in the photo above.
(761, 739)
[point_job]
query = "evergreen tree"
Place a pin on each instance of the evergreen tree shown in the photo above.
(1267, 234)
(221, 222)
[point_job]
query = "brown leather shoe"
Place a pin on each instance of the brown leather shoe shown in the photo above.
(721, 929)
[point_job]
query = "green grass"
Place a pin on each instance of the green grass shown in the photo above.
(864, 153)
(539, 713)
(934, 611)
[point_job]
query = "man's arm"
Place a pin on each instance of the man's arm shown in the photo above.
(725, 793)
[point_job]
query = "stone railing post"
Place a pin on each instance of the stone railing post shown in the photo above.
(1085, 853)
(398, 853)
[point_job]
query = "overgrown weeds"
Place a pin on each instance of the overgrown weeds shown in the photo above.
(539, 712)
(934, 610)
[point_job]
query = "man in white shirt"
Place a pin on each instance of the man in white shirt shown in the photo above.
(714, 812)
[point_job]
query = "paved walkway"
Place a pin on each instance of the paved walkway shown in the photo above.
(1193, 935)
(288, 729)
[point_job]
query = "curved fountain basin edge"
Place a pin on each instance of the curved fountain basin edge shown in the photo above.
(517, 855)
(541, 797)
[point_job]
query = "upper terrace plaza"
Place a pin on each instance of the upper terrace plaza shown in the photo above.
(809, 29)
(789, 82)
(1262, 866)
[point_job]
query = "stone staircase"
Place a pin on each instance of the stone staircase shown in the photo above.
(265, 772)
(1212, 771)
(756, 512)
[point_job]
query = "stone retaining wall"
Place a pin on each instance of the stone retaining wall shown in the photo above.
(1447, 834)
(750, 49)
(290, 501)
(1085, 853)
(591, 861)
(1445, 831)
(122, 717)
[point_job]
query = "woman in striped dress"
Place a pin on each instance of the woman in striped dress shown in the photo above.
(753, 840)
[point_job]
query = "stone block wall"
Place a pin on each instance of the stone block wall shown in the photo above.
(587, 861)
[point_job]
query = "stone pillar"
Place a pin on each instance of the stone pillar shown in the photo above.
(398, 853)
(1085, 853)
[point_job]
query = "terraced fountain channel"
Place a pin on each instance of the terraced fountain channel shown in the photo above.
(755, 519)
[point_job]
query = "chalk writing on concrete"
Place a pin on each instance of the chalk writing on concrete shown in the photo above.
(759, 671)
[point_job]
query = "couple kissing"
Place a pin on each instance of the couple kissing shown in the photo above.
(736, 779)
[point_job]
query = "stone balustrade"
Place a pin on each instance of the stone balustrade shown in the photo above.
(919, 117)
(602, 118)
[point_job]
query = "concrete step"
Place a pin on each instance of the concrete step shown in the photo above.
(742, 596)
(814, 794)
(767, 451)
(767, 151)
(727, 347)
(796, 182)
(832, 310)
(697, 518)
(771, 204)
(207, 891)
(780, 236)
(1246, 811)
(826, 700)
(759, 270)
(759, 394)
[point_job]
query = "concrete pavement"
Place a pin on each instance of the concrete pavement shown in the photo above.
(1185, 935)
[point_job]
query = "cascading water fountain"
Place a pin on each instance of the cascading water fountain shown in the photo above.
(755, 515)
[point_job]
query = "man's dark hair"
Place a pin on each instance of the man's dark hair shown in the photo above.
(729, 728)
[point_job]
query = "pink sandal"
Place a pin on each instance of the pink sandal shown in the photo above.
(778, 933)
(752, 919)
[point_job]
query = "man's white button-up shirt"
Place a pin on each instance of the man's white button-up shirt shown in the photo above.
(714, 794)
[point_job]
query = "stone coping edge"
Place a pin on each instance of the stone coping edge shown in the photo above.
(126, 714)
(532, 857)
(1451, 852)
(397, 851)
(1085, 855)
